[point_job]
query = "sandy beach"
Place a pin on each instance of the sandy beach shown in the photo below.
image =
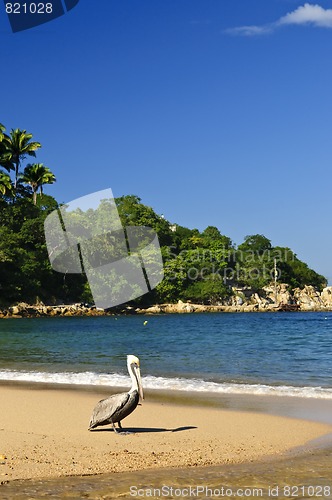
(43, 434)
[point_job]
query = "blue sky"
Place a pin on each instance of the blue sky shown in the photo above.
(214, 112)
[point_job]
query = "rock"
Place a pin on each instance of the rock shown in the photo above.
(309, 299)
(14, 310)
(326, 296)
(188, 308)
(184, 307)
(279, 294)
(153, 310)
(270, 298)
(250, 308)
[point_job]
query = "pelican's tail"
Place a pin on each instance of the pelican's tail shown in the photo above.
(92, 425)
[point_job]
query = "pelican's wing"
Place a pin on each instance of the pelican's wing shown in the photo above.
(106, 408)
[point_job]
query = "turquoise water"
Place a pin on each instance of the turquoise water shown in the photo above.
(278, 353)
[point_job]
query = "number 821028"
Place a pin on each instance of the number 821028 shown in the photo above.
(306, 491)
(29, 8)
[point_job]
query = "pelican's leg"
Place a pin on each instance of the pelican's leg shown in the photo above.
(122, 431)
(114, 428)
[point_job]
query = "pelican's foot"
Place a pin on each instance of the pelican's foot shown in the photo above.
(120, 429)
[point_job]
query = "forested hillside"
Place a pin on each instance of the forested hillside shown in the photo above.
(201, 266)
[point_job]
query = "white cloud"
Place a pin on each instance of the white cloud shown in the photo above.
(304, 15)
(250, 30)
(309, 14)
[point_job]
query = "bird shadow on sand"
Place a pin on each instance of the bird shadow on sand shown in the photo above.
(141, 430)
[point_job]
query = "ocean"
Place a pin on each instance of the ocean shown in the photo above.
(277, 354)
(234, 361)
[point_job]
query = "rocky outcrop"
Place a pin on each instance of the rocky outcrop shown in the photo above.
(309, 299)
(280, 297)
(23, 310)
(179, 307)
(326, 297)
(279, 294)
(270, 299)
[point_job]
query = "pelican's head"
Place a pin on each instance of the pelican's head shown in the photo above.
(133, 368)
(131, 360)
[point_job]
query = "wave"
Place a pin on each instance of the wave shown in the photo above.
(161, 383)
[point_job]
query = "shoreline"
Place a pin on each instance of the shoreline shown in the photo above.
(269, 299)
(313, 409)
(48, 436)
(77, 310)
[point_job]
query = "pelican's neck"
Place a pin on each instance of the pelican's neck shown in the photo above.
(134, 382)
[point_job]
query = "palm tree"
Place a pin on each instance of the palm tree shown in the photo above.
(6, 186)
(2, 131)
(36, 175)
(17, 146)
(3, 152)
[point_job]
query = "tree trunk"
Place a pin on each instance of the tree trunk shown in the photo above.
(17, 165)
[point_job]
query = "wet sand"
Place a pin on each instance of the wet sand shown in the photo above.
(43, 434)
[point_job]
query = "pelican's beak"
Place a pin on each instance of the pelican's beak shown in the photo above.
(139, 382)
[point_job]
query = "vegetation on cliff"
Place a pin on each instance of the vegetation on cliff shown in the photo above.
(201, 266)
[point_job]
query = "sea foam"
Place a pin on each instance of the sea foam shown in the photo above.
(161, 383)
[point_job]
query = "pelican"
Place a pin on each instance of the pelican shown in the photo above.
(117, 407)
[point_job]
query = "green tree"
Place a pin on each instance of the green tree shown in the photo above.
(295, 272)
(25, 270)
(184, 237)
(209, 291)
(132, 212)
(16, 147)
(4, 162)
(36, 175)
(254, 262)
(173, 284)
(256, 243)
(6, 186)
(211, 233)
